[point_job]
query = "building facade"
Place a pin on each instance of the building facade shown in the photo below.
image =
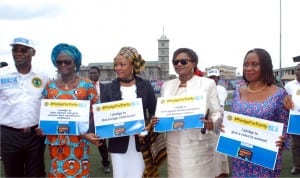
(154, 70)
(288, 74)
(226, 72)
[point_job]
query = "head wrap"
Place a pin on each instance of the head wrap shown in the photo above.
(69, 50)
(134, 57)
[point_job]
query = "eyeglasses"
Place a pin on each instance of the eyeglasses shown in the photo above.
(66, 62)
(181, 61)
(20, 50)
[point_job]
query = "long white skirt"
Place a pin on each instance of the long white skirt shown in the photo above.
(221, 160)
(129, 164)
(190, 154)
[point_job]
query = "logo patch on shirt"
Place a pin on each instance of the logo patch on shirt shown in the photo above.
(298, 92)
(37, 82)
(9, 82)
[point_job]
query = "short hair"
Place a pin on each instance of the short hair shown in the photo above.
(95, 67)
(192, 54)
(266, 67)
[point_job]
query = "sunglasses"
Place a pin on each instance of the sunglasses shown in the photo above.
(181, 61)
(65, 62)
(20, 50)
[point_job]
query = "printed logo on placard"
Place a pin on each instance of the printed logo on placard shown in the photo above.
(229, 117)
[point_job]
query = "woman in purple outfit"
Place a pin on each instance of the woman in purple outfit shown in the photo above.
(260, 98)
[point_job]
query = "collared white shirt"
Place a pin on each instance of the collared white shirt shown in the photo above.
(222, 93)
(292, 86)
(20, 98)
(97, 85)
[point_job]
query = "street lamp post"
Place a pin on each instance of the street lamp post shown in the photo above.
(280, 41)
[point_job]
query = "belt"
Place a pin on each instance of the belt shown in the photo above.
(27, 129)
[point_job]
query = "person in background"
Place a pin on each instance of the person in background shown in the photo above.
(292, 88)
(126, 156)
(190, 153)
(260, 98)
(69, 154)
(22, 150)
(94, 74)
(222, 93)
(221, 160)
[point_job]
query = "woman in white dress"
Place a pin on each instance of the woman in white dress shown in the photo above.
(126, 151)
(190, 153)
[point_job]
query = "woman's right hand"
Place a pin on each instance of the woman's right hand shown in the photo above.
(154, 121)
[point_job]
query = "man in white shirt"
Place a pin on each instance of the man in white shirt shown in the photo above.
(22, 150)
(215, 75)
(221, 161)
(292, 88)
(94, 74)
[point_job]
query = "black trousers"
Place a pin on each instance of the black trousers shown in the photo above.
(104, 153)
(296, 150)
(22, 152)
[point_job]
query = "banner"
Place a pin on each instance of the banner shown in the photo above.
(119, 118)
(180, 112)
(250, 139)
(67, 117)
(294, 122)
(294, 116)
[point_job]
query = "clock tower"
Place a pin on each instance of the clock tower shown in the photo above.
(163, 56)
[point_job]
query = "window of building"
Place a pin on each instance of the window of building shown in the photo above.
(151, 73)
(111, 74)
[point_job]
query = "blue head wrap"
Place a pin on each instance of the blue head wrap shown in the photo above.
(69, 50)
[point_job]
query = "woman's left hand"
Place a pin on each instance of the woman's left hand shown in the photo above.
(92, 138)
(288, 102)
(39, 131)
(208, 123)
(280, 142)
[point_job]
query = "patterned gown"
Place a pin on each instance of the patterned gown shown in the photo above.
(69, 154)
(271, 109)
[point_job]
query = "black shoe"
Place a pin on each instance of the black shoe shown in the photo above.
(295, 170)
(106, 169)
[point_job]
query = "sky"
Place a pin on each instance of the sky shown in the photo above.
(219, 31)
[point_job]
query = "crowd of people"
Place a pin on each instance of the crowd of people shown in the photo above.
(187, 152)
